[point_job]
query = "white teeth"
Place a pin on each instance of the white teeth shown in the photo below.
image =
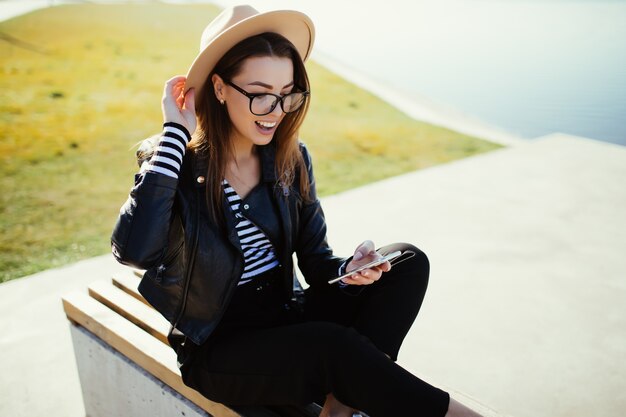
(267, 124)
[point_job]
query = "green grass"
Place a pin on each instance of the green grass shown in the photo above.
(81, 84)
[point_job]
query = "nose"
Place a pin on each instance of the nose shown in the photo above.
(278, 108)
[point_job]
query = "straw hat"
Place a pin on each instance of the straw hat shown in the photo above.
(240, 22)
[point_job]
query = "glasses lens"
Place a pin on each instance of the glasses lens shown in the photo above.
(263, 104)
(292, 102)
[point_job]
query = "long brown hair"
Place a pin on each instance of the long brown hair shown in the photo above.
(212, 137)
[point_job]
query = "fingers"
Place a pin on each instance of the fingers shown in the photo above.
(364, 253)
(190, 102)
(176, 79)
(169, 84)
(364, 249)
(366, 277)
(173, 89)
(177, 106)
(386, 267)
(189, 109)
(180, 100)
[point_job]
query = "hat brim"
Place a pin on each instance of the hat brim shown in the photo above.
(293, 25)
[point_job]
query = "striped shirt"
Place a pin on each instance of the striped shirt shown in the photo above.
(168, 155)
(258, 252)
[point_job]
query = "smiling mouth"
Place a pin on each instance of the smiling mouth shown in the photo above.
(266, 125)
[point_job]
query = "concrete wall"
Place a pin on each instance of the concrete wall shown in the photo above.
(113, 385)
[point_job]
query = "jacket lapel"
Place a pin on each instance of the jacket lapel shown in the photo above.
(200, 170)
(280, 193)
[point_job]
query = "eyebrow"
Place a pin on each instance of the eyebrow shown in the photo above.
(269, 87)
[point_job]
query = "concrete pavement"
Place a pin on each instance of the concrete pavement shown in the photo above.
(525, 309)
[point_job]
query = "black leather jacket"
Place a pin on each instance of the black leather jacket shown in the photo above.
(193, 266)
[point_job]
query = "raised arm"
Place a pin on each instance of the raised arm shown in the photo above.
(141, 234)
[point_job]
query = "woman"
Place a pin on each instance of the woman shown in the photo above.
(215, 220)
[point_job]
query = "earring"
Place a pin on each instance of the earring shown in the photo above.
(222, 102)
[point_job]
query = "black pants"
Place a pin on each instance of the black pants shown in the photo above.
(265, 353)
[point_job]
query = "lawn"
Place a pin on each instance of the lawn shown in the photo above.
(80, 85)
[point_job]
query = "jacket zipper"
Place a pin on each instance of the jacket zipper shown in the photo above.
(192, 257)
(162, 267)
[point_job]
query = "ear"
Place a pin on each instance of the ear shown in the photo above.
(218, 87)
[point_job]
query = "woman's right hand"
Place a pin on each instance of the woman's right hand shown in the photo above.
(176, 107)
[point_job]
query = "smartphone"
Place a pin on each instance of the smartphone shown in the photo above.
(372, 264)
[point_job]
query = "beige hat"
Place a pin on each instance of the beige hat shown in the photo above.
(240, 22)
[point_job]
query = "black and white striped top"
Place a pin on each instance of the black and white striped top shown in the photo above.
(258, 252)
(168, 155)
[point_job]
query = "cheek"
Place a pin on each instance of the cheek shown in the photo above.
(241, 120)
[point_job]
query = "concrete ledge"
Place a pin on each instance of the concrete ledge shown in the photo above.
(113, 385)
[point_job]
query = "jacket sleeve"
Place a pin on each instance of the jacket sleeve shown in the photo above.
(315, 256)
(140, 235)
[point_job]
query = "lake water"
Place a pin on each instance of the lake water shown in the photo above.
(528, 67)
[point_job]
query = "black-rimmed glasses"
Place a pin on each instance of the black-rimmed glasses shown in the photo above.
(265, 103)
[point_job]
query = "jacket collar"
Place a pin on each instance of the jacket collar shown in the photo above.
(267, 153)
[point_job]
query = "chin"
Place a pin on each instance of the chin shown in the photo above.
(260, 141)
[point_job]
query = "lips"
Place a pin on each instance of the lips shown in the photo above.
(266, 128)
(265, 125)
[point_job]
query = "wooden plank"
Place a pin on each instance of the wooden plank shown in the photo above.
(137, 345)
(111, 300)
(130, 308)
(128, 283)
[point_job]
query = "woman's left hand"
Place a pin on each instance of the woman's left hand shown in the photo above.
(364, 254)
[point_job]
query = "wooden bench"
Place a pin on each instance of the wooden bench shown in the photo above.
(125, 364)
(126, 367)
